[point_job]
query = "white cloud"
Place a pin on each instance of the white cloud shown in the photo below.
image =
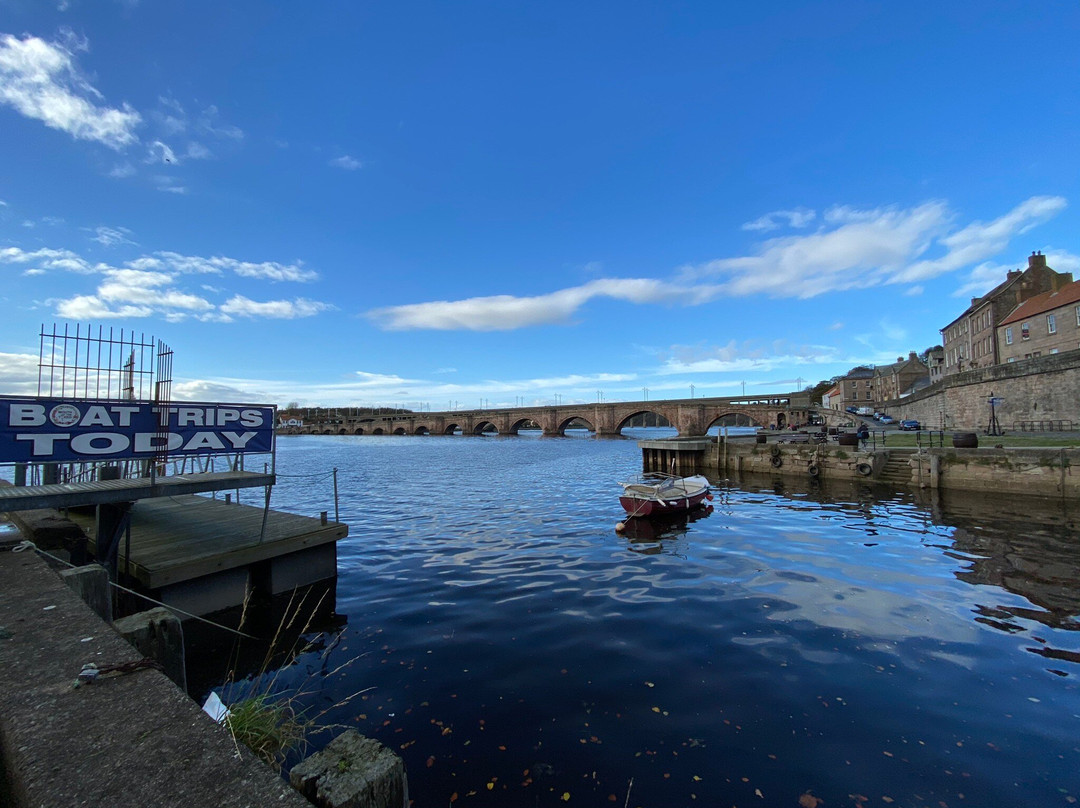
(206, 390)
(111, 236)
(267, 270)
(853, 249)
(18, 374)
(346, 162)
(169, 185)
(914, 291)
(41, 80)
(158, 152)
(197, 151)
(46, 258)
(209, 123)
(89, 307)
(865, 250)
(800, 217)
(122, 170)
(506, 312)
(979, 241)
(743, 357)
(273, 309)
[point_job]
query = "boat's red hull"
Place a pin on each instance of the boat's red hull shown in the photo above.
(647, 507)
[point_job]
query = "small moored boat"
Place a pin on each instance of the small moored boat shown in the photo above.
(663, 494)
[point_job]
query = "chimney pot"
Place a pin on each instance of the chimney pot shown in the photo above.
(1036, 260)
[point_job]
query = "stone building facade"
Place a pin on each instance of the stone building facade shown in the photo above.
(1042, 325)
(856, 389)
(899, 379)
(970, 341)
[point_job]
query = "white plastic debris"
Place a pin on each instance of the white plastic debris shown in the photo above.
(214, 708)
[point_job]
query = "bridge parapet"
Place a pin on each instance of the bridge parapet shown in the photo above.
(688, 416)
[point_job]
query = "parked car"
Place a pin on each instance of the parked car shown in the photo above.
(910, 425)
(887, 419)
(864, 411)
(851, 409)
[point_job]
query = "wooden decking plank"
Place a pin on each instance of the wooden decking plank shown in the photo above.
(180, 538)
(102, 492)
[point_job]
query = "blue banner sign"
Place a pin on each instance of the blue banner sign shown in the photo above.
(43, 429)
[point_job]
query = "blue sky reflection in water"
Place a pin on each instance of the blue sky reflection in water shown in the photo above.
(794, 641)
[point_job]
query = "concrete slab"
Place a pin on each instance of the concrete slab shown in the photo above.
(127, 740)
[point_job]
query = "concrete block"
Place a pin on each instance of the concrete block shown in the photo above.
(91, 583)
(353, 772)
(158, 634)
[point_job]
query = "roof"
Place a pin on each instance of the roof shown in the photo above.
(1046, 302)
(979, 302)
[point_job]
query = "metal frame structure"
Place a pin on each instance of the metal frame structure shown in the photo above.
(78, 364)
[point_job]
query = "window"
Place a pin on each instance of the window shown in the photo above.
(1036, 353)
(1053, 350)
(1025, 332)
(1012, 358)
(1008, 332)
(1051, 324)
(1078, 316)
(868, 396)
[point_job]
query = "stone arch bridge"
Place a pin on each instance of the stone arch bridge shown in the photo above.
(688, 416)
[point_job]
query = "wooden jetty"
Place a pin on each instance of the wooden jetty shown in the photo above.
(203, 555)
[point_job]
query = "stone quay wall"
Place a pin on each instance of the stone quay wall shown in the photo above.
(1035, 391)
(1034, 472)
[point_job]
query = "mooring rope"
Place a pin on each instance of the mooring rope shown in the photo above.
(26, 544)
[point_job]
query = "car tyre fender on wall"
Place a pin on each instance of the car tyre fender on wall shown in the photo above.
(774, 450)
(813, 470)
(777, 461)
(865, 469)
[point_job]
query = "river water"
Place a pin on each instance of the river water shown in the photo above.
(802, 642)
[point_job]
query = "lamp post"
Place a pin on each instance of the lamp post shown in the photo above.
(645, 393)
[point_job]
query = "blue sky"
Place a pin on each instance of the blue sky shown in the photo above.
(425, 203)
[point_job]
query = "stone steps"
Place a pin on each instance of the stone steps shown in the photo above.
(897, 469)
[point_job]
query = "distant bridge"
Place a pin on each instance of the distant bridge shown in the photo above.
(691, 416)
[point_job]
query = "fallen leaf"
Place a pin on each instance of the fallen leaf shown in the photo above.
(656, 709)
(431, 761)
(808, 800)
(649, 684)
(566, 796)
(758, 792)
(453, 797)
(490, 786)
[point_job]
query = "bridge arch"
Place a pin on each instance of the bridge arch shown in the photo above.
(524, 423)
(377, 431)
(400, 431)
(645, 416)
(485, 428)
(422, 430)
(575, 422)
(358, 431)
(743, 419)
(453, 429)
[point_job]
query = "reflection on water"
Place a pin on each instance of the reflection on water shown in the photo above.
(862, 646)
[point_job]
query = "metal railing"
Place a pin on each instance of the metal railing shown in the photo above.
(1049, 425)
